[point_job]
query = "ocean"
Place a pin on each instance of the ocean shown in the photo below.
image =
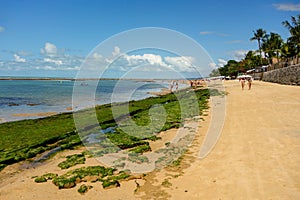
(28, 99)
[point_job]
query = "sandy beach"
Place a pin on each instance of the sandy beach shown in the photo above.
(256, 157)
(39, 114)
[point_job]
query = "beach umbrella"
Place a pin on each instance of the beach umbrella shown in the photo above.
(244, 76)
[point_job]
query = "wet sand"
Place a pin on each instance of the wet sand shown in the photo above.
(256, 157)
(39, 114)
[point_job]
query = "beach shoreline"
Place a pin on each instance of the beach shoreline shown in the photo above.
(30, 98)
(38, 110)
(256, 157)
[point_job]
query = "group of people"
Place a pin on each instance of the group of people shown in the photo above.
(173, 85)
(243, 82)
(196, 83)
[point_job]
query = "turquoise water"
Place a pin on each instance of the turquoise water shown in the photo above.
(35, 96)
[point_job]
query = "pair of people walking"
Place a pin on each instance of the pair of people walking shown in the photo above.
(243, 82)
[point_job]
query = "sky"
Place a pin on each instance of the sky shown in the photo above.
(58, 38)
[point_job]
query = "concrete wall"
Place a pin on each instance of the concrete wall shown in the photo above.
(287, 75)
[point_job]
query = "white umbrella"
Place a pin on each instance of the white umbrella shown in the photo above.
(244, 76)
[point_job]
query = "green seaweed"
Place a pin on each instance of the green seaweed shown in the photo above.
(2, 166)
(72, 160)
(141, 149)
(109, 183)
(70, 178)
(166, 183)
(39, 135)
(137, 158)
(40, 179)
(45, 177)
(84, 188)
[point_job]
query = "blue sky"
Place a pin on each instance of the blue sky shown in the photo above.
(52, 38)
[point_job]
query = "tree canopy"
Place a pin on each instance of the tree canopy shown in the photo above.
(270, 46)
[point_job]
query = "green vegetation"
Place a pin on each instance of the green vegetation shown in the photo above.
(177, 162)
(25, 139)
(166, 183)
(45, 177)
(72, 177)
(125, 141)
(2, 166)
(110, 183)
(141, 149)
(107, 176)
(271, 45)
(137, 158)
(84, 188)
(72, 160)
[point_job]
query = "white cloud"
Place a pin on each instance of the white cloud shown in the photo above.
(97, 56)
(51, 59)
(57, 62)
(24, 53)
(206, 32)
(221, 62)
(116, 52)
(46, 67)
(118, 63)
(49, 49)
(287, 6)
(213, 33)
(212, 64)
(240, 54)
(2, 29)
(152, 63)
(42, 66)
(181, 63)
(19, 59)
(151, 59)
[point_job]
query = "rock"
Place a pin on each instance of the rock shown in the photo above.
(90, 178)
(78, 180)
(32, 104)
(13, 104)
(69, 185)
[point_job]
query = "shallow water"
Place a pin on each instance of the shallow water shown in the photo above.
(42, 96)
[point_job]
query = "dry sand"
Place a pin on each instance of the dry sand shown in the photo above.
(256, 157)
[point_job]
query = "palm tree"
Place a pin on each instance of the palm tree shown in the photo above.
(288, 50)
(272, 45)
(252, 60)
(277, 43)
(259, 35)
(294, 28)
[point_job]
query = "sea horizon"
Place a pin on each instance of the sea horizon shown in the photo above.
(88, 78)
(23, 98)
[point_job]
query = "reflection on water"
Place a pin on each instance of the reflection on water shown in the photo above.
(38, 160)
(94, 138)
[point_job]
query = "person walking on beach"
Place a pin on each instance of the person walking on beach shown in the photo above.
(171, 86)
(191, 83)
(243, 83)
(249, 83)
(176, 85)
